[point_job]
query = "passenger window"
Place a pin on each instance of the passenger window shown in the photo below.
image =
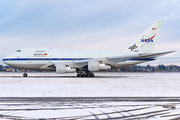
(18, 51)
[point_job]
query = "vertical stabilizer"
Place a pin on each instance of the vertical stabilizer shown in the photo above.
(146, 41)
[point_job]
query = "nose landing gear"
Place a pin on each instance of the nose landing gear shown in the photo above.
(25, 74)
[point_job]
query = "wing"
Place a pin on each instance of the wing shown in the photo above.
(112, 61)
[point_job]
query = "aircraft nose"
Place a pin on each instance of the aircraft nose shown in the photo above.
(5, 60)
(9, 60)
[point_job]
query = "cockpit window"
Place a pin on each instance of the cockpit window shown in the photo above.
(18, 50)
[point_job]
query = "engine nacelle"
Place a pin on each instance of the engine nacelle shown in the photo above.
(96, 66)
(93, 66)
(62, 69)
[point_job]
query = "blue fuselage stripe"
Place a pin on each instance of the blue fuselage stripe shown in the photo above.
(22, 59)
(43, 59)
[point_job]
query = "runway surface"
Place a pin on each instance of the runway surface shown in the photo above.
(124, 108)
(103, 85)
(61, 77)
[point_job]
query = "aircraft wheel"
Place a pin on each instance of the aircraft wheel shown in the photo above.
(83, 75)
(78, 75)
(88, 75)
(92, 75)
(25, 75)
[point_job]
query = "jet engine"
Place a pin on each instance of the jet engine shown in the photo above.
(104, 67)
(62, 69)
(96, 66)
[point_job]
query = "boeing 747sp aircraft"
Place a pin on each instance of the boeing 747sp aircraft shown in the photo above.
(87, 62)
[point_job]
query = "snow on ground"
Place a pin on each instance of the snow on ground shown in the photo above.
(112, 110)
(103, 85)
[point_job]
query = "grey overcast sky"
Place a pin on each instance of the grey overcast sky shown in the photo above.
(85, 24)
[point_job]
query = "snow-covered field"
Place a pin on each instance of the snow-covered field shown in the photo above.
(103, 85)
(81, 111)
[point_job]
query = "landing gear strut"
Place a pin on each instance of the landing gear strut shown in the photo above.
(25, 74)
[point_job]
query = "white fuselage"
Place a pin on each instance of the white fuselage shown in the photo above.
(39, 59)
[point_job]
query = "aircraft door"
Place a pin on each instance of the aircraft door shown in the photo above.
(29, 59)
(49, 56)
(50, 59)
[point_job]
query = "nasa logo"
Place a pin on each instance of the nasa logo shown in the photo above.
(148, 40)
(133, 47)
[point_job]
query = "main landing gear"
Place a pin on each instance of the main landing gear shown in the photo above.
(85, 74)
(25, 74)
